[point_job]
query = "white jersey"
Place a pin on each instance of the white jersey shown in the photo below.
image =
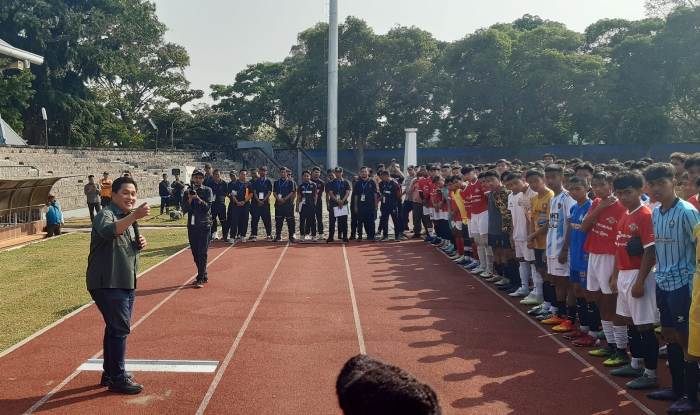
(559, 213)
(519, 206)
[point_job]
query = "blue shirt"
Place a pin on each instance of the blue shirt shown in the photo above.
(54, 216)
(578, 258)
(559, 211)
(675, 244)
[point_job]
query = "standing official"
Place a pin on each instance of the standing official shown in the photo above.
(390, 194)
(306, 206)
(338, 191)
(164, 193)
(364, 197)
(197, 204)
(111, 278)
(260, 207)
(318, 211)
(285, 190)
(177, 188)
(92, 194)
(239, 207)
(219, 189)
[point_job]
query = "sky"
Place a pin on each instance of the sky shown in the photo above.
(224, 36)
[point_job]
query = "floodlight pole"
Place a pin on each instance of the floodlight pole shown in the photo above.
(332, 134)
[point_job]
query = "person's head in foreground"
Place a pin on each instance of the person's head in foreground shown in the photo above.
(124, 191)
(367, 386)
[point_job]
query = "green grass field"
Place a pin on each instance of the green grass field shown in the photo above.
(154, 220)
(43, 282)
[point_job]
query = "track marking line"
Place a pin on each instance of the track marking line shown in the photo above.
(563, 347)
(229, 355)
(355, 309)
(145, 365)
(76, 311)
(143, 318)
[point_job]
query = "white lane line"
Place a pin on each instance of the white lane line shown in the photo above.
(227, 360)
(75, 373)
(143, 365)
(75, 312)
(355, 310)
(584, 362)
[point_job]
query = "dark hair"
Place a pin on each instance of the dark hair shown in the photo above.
(554, 168)
(384, 173)
(585, 166)
(215, 171)
(534, 172)
(578, 181)
(436, 179)
(604, 176)
(306, 172)
(369, 386)
(512, 175)
(659, 171)
(120, 181)
(692, 161)
(316, 168)
(91, 176)
(549, 155)
(467, 169)
(446, 166)
(242, 170)
(628, 179)
(490, 173)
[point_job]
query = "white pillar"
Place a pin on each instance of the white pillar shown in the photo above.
(332, 134)
(410, 149)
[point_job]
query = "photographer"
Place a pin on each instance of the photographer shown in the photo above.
(197, 204)
(111, 277)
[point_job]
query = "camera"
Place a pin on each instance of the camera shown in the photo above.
(192, 192)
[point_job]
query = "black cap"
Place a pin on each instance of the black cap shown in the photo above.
(198, 172)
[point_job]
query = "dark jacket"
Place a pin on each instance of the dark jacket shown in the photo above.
(199, 210)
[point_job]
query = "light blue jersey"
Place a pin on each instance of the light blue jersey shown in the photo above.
(559, 212)
(675, 244)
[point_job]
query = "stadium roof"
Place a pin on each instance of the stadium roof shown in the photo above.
(24, 193)
(8, 136)
(8, 50)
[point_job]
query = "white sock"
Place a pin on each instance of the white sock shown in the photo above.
(608, 331)
(584, 329)
(553, 310)
(637, 363)
(489, 259)
(650, 373)
(620, 337)
(525, 274)
(481, 250)
(547, 305)
(537, 282)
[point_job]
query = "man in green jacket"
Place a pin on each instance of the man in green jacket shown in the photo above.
(111, 277)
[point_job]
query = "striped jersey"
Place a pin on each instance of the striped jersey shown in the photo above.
(675, 244)
(559, 212)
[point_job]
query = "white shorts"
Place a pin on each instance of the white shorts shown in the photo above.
(522, 251)
(479, 224)
(557, 269)
(428, 211)
(600, 269)
(642, 310)
(457, 224)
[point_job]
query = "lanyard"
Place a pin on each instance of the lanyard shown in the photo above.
(338, 186)
(282, 184)
(364, 184)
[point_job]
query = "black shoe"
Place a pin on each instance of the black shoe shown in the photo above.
(292, 240)
(359, 238)
(513, 289)
(329, 240)
(417, 236)
(397, 239)
(684, 406)
(278, 239)
(384, 238)
(126, 386)
(352, 237)
(505, 288)
(665, 394)
(345, 240)
(199, 284)
(106, 381)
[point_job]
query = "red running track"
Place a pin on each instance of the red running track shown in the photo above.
(281, 322)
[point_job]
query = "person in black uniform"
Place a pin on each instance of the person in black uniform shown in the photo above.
(338, 191)
(285, 189)
(318, 211)
(260, 206)
(219, 189)
(353, 216)
(306, 206)
(164, 192)
(238, 207)
(364, 204)
(197, 203)
(177, 188)
(390, 194)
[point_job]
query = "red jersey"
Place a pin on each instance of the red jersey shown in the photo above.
(601, 238)
(426, 186)
(639, 224)
(475, 199)
(693, 200)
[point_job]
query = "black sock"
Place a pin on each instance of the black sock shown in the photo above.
(676, 365)
(582, 311)
(635, 342)
(547, 292)
(650, 347)
(571, 313)
(593, 317)
(691, 381)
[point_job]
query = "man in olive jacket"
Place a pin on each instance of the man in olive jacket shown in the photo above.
(111, 277)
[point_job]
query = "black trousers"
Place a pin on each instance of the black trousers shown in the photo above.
(365, 219)
(419, 220)
(342, 226)
(384, 221)
(259, 212)
(94, 209)
(238, 220)
(116, 306)
(406, 210)
(218, 214)
(353, 224)
(307, 220)
(319, 216)
(199, 237)
(282, 213)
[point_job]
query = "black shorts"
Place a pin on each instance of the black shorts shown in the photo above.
(674, 308)
(499, 241)
(539, 259)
